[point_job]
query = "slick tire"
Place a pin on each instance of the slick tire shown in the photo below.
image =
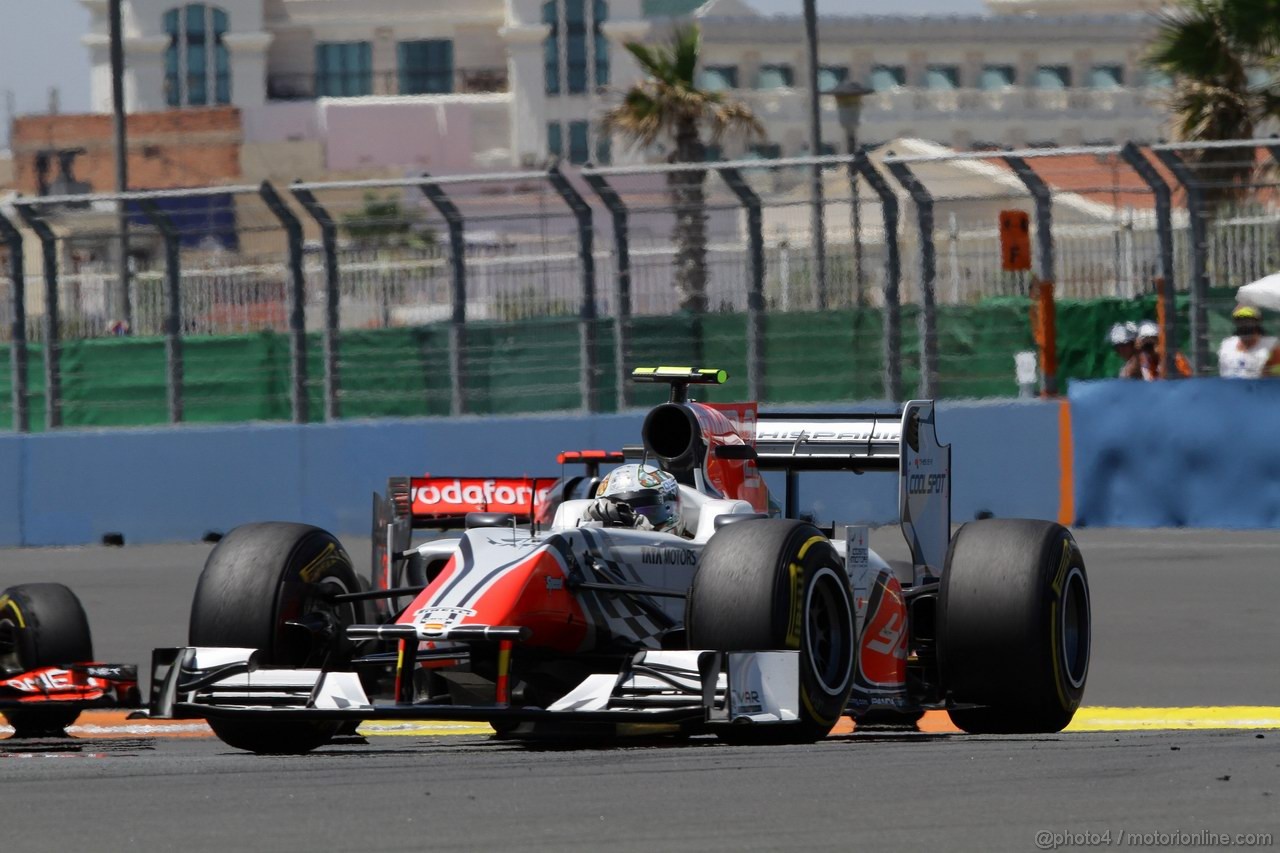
(778, 584)
(49, 628)
(1014, 626)
(258, 579)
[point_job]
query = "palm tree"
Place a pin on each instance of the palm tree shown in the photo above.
(1209, 48)
(668, 104)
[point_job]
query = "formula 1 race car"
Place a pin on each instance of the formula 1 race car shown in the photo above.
(47, 671)
(731, 620)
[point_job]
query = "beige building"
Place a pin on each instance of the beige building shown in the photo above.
(385, 86)
(976, 81)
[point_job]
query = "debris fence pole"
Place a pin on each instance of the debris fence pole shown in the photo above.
(755, 280)
(51, 324)
(18, 329)
(172, 307)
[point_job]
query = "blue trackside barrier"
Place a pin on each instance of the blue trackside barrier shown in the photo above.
(174, 484)
(1195, 453)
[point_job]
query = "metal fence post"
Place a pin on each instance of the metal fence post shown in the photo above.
(18, 333)
(892, 275)
(622, 253)
(332, 297)
(1199, 268)
(51, 324)
(928, 271)
(586, 260)
(1164, 237)
(297, 301)
(755, 281)
(458, 295)
(1045, 267)
(172, 307)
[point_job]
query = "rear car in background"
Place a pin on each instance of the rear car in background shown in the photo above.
(48, 673)
(730, 617)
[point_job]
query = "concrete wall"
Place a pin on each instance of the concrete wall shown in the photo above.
(69, 488)
(1200, 453)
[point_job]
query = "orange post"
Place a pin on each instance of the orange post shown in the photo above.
(1162, 345)
(1044, 327)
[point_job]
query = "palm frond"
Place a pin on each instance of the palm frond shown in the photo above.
(686, 45)
(668, 103)
(650, 60)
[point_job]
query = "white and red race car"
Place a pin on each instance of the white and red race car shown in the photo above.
(48, 674)
(744, 622)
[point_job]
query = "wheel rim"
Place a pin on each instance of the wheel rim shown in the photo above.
(1074, 630)
(297, 647)
(12, 661)
(829, 633)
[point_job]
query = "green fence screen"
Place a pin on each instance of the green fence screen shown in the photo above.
(534, 365)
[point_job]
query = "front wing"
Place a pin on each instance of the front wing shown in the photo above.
(689, 687)
(81, 685)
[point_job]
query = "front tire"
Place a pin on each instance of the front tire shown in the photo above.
(258, 579)
(778, 584)
(1014, 626)
(49, 628)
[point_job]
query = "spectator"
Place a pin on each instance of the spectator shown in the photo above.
(1149, 357)
(1122, 338)
(1248, 354)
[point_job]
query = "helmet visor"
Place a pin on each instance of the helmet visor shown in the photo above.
(660, 510)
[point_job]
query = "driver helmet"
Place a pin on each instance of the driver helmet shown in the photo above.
(1122, 333)
(650, 492)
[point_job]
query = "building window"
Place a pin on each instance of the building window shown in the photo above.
(426, 67)
(344, 69)
(718, 78)
(775, 77)
(555, 142)
(942, 77)
(1106, 77)
(712, 153)
(886, 77)
(997, 77)
(1053, 77)
(579, 143)
(764, 151)
(197, 64)
(1258, 78)
(579, 146)
(830, 76)
(1157, 79)
(604, 150)
(576, 58)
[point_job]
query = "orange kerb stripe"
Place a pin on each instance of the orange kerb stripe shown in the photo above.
(1066, 467)
(932, 721)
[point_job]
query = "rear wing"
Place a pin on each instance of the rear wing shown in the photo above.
(905, 442)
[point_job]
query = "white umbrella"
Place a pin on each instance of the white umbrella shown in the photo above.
(1263, 293)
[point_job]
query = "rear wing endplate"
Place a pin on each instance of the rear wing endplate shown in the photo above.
(905, 442)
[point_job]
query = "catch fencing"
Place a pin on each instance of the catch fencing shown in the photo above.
(539, 290)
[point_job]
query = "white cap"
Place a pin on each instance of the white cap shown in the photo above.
(1148, 329)
(1122, 333)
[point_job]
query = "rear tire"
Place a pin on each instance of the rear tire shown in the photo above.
(747, 597)
(50, 629)
(258, 578)
(1014, 626)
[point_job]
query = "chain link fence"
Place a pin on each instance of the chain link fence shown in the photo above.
(540, 290)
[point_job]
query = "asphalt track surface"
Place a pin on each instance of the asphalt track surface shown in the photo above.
(1181, 619)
